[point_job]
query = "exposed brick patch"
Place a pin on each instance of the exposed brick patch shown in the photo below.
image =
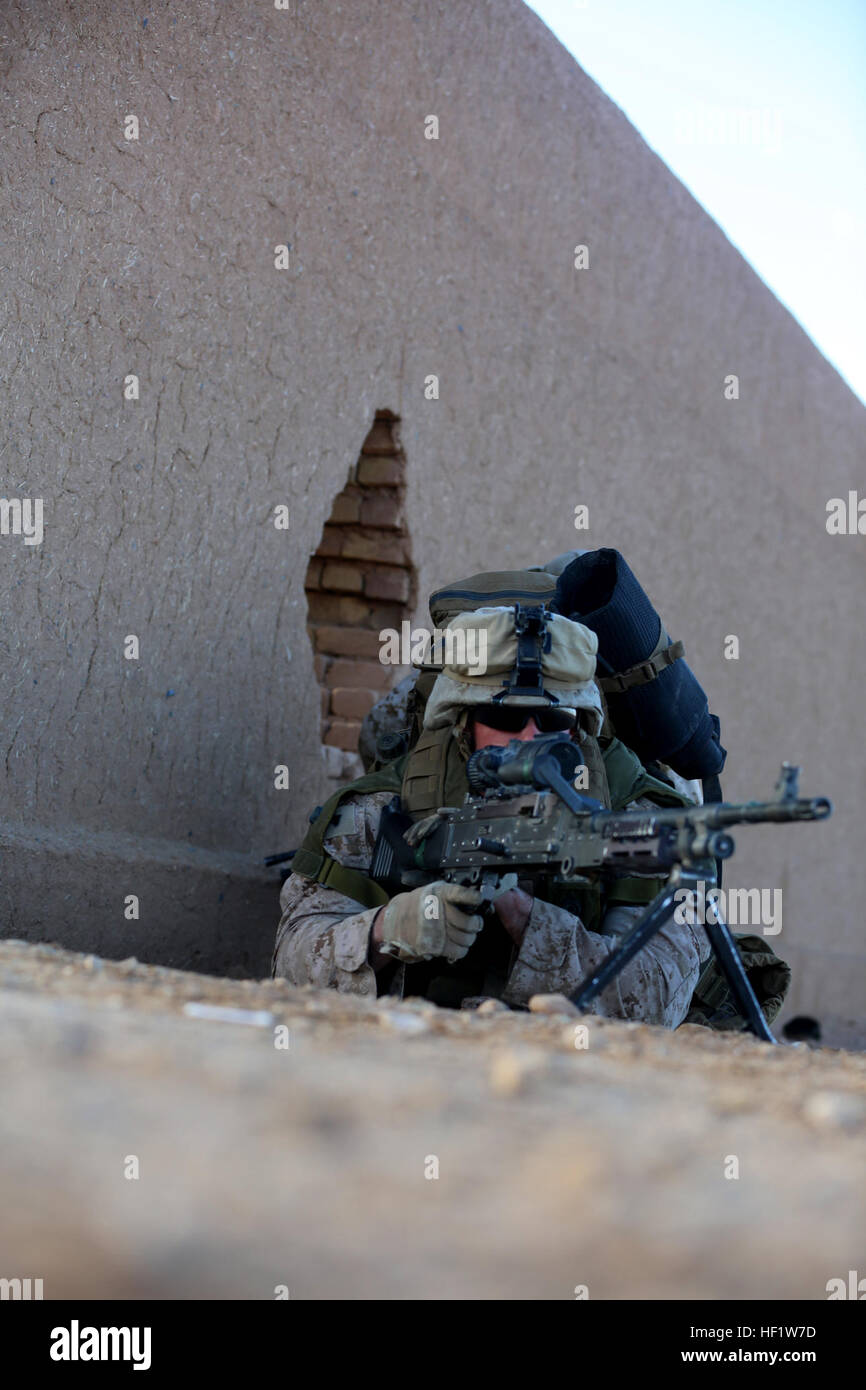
(382, 438)
(346, 610)
(372, 545)
(348, 641)
(314, 575)
(347, 507)
(344, 578)
(387, 584)
(343, 734)
(338, 608)
(368, 675)
(360, 580)
(352, 704)
(384, 507)
(380, 472)
(330, 544)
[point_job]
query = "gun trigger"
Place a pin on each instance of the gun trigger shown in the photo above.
(489, 888)
(494, 885)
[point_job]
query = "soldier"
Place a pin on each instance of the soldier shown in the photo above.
(338, 930)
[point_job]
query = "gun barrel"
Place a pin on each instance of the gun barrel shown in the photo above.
(779, 812)
(549, 830)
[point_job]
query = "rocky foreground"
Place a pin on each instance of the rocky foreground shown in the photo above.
(336, 1148)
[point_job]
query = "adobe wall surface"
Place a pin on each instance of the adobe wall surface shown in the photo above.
(408, 257)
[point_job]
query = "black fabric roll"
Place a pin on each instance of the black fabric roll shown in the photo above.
(668, 718)
(599, 590)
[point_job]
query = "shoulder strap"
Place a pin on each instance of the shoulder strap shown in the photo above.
(590, 752)
(312, 861)
(644, 671)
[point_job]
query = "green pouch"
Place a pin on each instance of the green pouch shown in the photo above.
(770, 977)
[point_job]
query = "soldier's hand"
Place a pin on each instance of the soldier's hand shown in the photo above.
(436, 920)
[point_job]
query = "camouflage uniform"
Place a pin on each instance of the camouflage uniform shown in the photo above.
(388, 718)
(323, 940)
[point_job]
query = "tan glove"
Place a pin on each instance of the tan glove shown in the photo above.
(431, 921)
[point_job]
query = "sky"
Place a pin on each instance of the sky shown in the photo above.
(759, 108)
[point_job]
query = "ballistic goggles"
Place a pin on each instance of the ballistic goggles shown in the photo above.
(512, 719)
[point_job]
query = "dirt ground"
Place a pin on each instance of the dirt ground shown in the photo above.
(398, 1151)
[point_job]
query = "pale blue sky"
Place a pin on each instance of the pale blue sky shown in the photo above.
(788, 187)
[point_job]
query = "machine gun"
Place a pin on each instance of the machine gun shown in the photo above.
(524, 816)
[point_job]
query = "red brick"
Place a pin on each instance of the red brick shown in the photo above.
(384, 615)
(314, 574)
(376, 471)
(332, 540)
(346, 579)
(346, 508)
(375, 545)
(366, 675)
(320, 664)
(347, 641)
(353, 704)
(387, 583)
(362, 545)
(326, 702)
(380, 440)
(343, 734)
(382, 509)
(342, 610)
